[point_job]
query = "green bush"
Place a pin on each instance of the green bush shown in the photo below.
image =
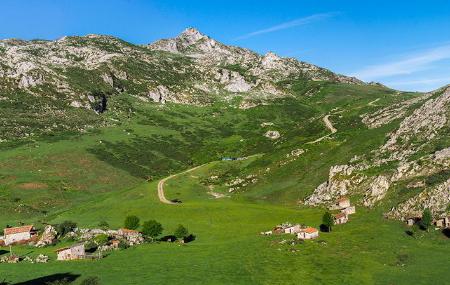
(152, 228)
(181, 232)
(131, 222)
(65, 227)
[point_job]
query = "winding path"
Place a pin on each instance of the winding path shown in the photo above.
(161, 182)
(329, 125)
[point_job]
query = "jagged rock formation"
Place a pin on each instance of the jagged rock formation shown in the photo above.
(402, 158)
(436, 199)
(76, 77)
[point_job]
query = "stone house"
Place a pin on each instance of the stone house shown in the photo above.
(411, 221)
(343, 203)
(278, 230)
(292, 229)
(349, 210)
(70, 253)
(128, 233)
(19, 234)
(340, 218)
(442, 222)
(308, 233)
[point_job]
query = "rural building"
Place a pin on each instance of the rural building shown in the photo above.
(278, 230)
(308, 233)
(128, 233)
(349, 210)
(340, 218)
(412, 221)
(19, 234)
(442, 222)
(343, 202)
(70, 253)
(115, 243)
(292, 229)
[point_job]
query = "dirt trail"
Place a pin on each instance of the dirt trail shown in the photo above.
(329, 125)
(161, 182)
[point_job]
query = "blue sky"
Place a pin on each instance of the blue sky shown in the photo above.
(404, 44)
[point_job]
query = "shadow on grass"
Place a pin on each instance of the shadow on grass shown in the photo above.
(446, 232)
(59, 278)
(168, 238)
(190, 238)
(3, 252)
(324, 228)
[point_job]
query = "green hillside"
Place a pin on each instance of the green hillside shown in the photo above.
(277, 140)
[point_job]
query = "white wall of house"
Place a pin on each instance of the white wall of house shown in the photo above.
(12, 238)
(74, 252)
(344, 203)
(292, 230)
(305, 235)
(349, 210)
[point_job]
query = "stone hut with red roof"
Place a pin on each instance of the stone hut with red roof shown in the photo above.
(20, 234)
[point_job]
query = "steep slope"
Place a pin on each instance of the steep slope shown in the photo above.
(62, 84)
(412, 167)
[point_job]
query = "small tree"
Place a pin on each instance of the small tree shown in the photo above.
(152, 229)
(65, 227)
(181, 232)
(327, 220)
(426, 219)
(103, 225)
(131, 222)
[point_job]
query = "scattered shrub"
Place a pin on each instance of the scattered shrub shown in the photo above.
(65, 227)
(131, 222)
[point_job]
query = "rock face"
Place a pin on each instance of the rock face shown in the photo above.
(423, 123)
(340, 179)
(160, 94)
(436, 199)
(272, 135)
(405, 157)
(376, 190)
(48, 236)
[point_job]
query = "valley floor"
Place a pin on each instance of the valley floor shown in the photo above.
(229, 249)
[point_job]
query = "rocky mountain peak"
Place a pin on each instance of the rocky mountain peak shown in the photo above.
(192, 34)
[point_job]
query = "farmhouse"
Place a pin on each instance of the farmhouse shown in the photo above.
(340, 218)
(292, 229)
(70, 253)
(128, 233)
(308, 233)
(343, 203)
(442, 222)
(19, 234)
(349, 210)
(411, 221)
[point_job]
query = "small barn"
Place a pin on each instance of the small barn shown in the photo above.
(308, 233)
(71, 253)
(292, 229)
(442, 222)
(343, 203)
(128, 233)
(340, 218)
(19, 234)
(349, 210)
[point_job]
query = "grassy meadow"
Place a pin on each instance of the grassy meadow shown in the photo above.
(108, 173)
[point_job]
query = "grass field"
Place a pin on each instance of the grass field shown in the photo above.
(229, 249)
(102, 175)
